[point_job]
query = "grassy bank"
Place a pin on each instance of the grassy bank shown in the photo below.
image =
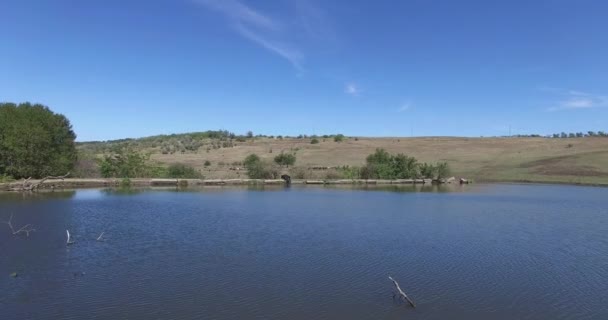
(574, 161)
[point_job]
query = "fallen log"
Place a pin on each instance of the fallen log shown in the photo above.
(34, 186)
(400, 292)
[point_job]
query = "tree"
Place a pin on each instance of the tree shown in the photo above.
(249, 134)
(285, 159)
(35, 141)
(591, 133)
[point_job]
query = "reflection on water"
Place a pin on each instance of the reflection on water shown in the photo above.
(269, 252)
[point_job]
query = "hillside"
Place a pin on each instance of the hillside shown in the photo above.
(569, 160)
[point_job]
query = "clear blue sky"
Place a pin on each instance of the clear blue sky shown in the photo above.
(125, 68)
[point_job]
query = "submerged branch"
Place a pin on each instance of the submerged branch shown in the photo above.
(400, 292)
(25, 229)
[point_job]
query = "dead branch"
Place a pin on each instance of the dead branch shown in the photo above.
(402, 294)
(69, 240)
(25, 229)
(34, 186)
(100, 237)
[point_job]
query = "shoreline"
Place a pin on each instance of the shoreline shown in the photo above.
(146, 182)
(76, 183)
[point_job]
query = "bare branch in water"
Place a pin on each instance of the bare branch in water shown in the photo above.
(25, 229)
(100, 237)
(69, 240)
(400, 292)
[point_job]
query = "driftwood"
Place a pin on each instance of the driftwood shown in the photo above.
(400, 293)
(25, 229)
(100, 236)
(25, 186)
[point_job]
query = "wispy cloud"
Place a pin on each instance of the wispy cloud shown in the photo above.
(405, 107)
(576, 100)
(352, 89)
(273, 34)
(294, 56)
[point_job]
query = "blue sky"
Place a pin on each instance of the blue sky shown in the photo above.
(125, 68)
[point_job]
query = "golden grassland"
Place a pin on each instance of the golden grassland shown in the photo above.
(573, 160)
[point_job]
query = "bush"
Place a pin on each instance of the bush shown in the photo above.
(126, 163)
(382, 165)
(207, 163)
(314, 141)
(339, 138)
(257, 169)
(182, 171)
(285, 159)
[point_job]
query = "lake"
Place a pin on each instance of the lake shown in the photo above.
(470, 252)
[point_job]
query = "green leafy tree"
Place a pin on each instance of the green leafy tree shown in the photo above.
(285, 159)
(35, 141)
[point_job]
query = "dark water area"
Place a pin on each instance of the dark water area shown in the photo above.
(476, 252)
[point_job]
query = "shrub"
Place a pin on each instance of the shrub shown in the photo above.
(207, 163)
(314, 141)
(257, 169)
(382, 165)
(182, 171)
(339, 138)
(125, 163)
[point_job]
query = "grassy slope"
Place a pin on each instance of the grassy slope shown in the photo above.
(581, 160)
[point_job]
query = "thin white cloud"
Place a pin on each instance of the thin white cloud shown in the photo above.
(576, 100)
(290, 54)
(241, 13)
(352, 89)
(258, 28)
(405, 107)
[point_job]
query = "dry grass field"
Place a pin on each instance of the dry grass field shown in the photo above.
(575, 160)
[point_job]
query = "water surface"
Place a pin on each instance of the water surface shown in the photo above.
(483, 252)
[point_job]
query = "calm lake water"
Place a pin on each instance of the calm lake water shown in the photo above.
(480, 252)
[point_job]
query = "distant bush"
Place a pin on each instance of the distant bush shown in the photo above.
(314, 141)
(182, 171)
(285, 159)
(383, 165)
(339, 138)
(258, 169)
(207, 163)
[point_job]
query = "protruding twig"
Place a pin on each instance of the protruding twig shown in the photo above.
(402, 294)
(69, 241)
(100, 236)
